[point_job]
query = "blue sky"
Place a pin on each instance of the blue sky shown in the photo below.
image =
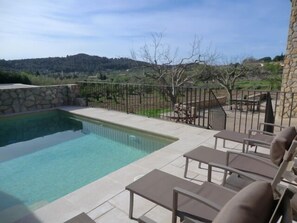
(111, 28)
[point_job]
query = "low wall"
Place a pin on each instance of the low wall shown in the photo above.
(37, 98)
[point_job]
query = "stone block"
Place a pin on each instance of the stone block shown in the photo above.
(29, 103)
(16, 106)
(4, 95)
(30, 98)
(13, 94)
(46, 106)
(80, 102)
(43, 102)
(55, 101)
(7, 102)
(3, 107)
(29, 92)
(23, 109)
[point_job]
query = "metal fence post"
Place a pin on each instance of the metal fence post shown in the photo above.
(208, 117)
(127, 95)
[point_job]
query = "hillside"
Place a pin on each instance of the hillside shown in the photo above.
(57, 70)
(80, 63)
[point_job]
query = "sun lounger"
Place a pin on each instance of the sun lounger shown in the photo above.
(241, 161)
(255, 137)
(255, 203)
(157, 186)
(247, 162)
(260, 138)
(202, 202)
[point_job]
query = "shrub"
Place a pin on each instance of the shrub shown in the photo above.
(11, 77)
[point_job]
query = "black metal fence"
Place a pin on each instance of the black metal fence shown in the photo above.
(207, 108)
(249, 108)
(194, 106)
(217, 115)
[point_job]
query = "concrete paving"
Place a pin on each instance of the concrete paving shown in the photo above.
(15, 86)
(106, 200)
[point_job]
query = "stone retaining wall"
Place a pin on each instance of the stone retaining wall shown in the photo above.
(37, 98)
(288, 105)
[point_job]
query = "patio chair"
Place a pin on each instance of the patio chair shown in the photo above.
(201, 202)
(247, 162)
(184, 113)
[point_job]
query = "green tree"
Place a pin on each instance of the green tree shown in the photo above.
(12, 77)
(265, 59)
(228, 73)
(279, 58)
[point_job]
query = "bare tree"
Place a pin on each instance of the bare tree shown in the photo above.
(228, 73)
(166, 68)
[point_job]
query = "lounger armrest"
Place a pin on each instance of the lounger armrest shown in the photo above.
(203, 200)
(249, 156)
(270, 124)
(230, 169)
(177, 190)
(251, 141)
(259, 131)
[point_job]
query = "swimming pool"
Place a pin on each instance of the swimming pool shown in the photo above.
(44, 156)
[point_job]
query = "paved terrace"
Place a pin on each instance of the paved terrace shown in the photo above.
(106, 199)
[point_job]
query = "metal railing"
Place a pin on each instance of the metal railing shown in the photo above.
(203, 107)
(249, 108)
(217, 115)
(188, 105)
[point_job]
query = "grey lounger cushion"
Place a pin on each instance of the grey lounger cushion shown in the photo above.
(254, 203)
(281, 142)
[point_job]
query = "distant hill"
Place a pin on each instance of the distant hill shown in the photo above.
(80, 63)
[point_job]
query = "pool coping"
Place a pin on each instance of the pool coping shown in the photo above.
(89, 197)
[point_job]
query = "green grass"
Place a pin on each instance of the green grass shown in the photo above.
(252, 85)
(272, 83)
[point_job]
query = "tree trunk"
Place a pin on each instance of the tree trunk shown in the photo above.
(230, 98)
(172, 95)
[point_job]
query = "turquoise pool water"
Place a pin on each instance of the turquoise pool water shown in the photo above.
(47, 155)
